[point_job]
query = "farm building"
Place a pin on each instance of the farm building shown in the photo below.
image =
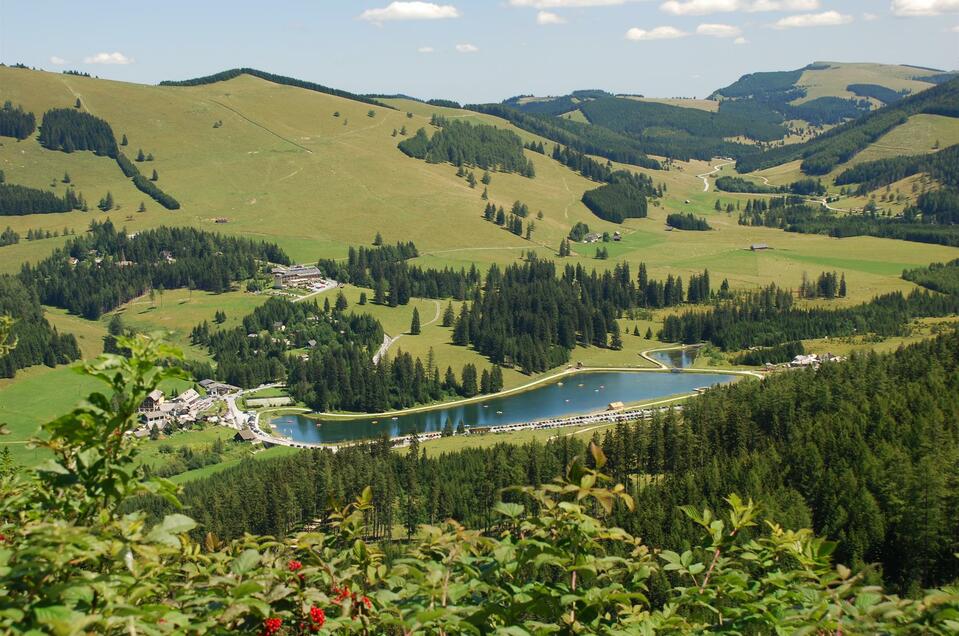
(757, 247)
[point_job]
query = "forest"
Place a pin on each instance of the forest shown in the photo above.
(325, 356)
(624, 197)
(461, 143)
(932, 220)
(18, 200)
(826, 448)
(838, 145)
(112, 267)
(768, 318)
(687, 221)
(37, 341)
(393, 281)
(877, 91)
(580, 136)
(938, 277)
(677, 132)
(70, 130)
(276, 79)
(942, 166)
(16, 122)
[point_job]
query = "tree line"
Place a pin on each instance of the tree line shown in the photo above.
(393, 281)
(16, 122)
(18, 200)
(111, 267)
(687, 221)
(144, 185)
(820, 155)
(37, 341)
(767, 318)
(624, 197)
(461, 143)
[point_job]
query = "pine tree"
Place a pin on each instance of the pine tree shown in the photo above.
(485, 385)
(140, 155)
(496, 379)
(471, 179)
(485, 195)
(449, 315)
(415, 323)
(78, 105)
(341, 303)
(154, 176)
(378, 240)
(636, 331)
(469, 388)
(649, 333)
(123, 141)
(362, 300)
(616, 340)
(142, 208)
(66, 177)
(842, 286)
(486, 177)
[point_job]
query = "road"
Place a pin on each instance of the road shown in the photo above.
(705, 176)
(327, 286)
(388, 341)
(825, 203)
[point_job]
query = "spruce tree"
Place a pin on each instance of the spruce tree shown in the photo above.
(469, 387)
(140, 155)
(123, 141)
(496, 379)
(154, 176)
(362, 300)
(378, 239)
(415, 323)
(449, 315)
(341, 303)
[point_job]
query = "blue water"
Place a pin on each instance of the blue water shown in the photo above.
(573, 395)
(677, 358)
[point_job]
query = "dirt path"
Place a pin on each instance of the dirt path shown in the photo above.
(705, 176)
(388, 341)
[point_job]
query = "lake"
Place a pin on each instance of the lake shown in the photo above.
(678, 358)
(571, 395)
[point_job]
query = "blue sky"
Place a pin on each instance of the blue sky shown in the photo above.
(472, 50)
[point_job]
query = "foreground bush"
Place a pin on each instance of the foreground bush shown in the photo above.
(70, 563)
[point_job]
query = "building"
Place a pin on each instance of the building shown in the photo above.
(592, 237)
(757, 247)
(152, 401)
(295, 276)
(617, 236)
(245, 435)
(217, 389)
(154, 419)
(615, 406)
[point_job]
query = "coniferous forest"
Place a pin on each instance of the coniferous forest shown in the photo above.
(18, 200)
(104, 268)
(37, 341)
(70, 130)
(461, 143)
(16, 122)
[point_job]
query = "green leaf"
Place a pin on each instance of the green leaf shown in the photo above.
(511, 510)
(247, 560)
(177, 523)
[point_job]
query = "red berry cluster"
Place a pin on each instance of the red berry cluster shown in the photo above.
(271, 626)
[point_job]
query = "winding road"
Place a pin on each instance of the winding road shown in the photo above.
(705, 176)
(388, 341)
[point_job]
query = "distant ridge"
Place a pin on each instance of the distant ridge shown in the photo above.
(276, 79)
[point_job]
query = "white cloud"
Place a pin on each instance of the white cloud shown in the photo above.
(705, 7)
(108, 58)
(410, 11)
(56, 60)
(562, 4)
(466, 48)
(659, 33)
(425, 49)
(826, 18)
(870, 17)
(719, 30)
(924, 7)
(955, 29)
(740, 40)
(548, 17)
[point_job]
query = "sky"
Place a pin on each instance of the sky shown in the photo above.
(478, 51)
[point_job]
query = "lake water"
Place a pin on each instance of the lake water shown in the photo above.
(572, 395)
(678, 358)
